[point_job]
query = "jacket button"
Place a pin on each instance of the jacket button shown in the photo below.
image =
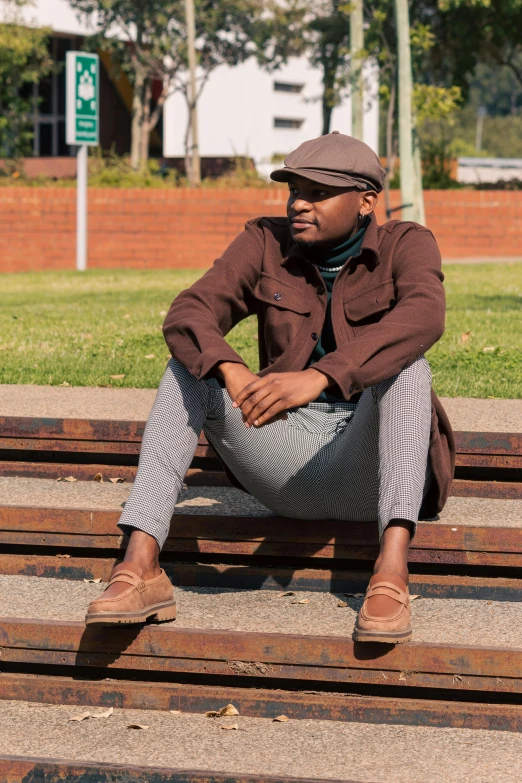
(278, 296)
(320, 290)
(315, 336)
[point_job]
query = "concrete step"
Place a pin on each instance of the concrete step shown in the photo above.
(467, 414)
(255, 576)
(459, 646)
(258, 750)
(218, 521)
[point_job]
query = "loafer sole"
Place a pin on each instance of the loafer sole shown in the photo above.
(387, 637)
(161, 612)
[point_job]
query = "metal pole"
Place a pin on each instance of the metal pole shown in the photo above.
(81, 208)
(356, 63)
(193, 91)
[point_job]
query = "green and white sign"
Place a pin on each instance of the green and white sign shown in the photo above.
(83, 103)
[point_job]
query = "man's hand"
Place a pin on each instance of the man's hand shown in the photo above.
(236, 377)
(263, 399)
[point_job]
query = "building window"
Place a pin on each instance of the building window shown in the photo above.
(286, 122)
(287, 87)
(49, 95)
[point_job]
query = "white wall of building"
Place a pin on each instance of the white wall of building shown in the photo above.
(238, 107)
(56, 14)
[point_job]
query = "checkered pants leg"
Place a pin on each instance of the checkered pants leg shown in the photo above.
(326, 461)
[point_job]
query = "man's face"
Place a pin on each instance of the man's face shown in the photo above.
(322, 215)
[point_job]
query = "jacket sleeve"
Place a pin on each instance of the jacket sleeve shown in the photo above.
(200, 317)
(406, 332)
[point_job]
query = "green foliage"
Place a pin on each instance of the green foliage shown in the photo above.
(81, 328)
(108, 170)
(24, 60)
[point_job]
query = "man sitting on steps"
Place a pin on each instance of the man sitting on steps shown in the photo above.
(340, 422)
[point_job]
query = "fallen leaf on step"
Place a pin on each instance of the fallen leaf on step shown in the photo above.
(66, 478)
(342, 603)
(384, 676)
(228, 710)
(117, 480)
(302, 601)
(457, 678)
(63, 556)
(99, 478)
(137, 726)
(93, 581)
(414, 597)
(281, 719)
(81, 717)
(232, 727)
(211, 713)
(117, 377)
(284, 595)
(402, 677)
(198, 502)
(464, 337)
(105, 714)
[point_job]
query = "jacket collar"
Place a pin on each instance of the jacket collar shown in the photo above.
(370, 245)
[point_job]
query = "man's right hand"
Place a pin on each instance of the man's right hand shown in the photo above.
(236, 376)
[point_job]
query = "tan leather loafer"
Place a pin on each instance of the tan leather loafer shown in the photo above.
(142, 599)
(393, 629)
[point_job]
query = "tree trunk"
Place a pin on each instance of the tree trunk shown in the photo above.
(327, 116)
(356, 64)
(390, 153)
(420, 215)
(195, 163)
(409, 211)
(146, 127)
(137, 116)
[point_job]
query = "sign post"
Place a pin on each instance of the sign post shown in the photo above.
(82, 130)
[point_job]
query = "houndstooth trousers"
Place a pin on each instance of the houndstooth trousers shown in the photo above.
(353, 462)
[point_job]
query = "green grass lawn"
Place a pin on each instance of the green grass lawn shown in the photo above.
(81, 329)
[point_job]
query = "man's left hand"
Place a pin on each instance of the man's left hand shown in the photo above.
(262, 400)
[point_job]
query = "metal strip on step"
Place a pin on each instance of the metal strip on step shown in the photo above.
(266, 655)
(14, 769)
(260, 703)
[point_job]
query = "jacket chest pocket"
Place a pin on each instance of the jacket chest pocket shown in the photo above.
(281, 310)
(370, 306)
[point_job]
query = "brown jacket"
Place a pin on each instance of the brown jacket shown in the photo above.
(388, 309)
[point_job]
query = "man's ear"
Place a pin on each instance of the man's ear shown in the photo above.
(369, 201)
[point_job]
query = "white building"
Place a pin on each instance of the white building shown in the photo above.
(243, 110)
(247, 111)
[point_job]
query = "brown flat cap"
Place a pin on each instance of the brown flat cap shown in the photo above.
(334, 159)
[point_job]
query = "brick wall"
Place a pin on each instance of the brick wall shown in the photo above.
(188, 228)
